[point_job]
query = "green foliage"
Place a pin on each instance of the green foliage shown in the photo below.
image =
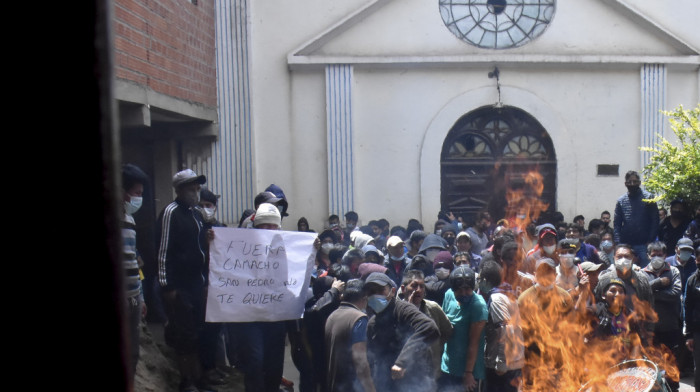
(674, 169)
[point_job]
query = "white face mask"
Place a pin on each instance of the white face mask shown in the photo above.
(133, 204)
(396, 258)
(549, 249)
(326, 248)
(657, 263)
(442, 273)
(567, 260)
(208, 214)
(623, 265)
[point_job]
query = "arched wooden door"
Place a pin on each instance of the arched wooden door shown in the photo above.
(489, 155)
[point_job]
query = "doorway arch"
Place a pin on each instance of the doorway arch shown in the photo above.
(492, 151)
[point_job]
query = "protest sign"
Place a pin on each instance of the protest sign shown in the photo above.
(258, 275)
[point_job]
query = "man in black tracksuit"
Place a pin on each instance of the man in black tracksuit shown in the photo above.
(182, 273)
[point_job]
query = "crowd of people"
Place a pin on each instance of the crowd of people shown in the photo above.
(466, 306)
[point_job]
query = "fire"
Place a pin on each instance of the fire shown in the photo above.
(563, 352)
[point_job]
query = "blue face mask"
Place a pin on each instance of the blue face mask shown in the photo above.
(606, 245)
(377, 302)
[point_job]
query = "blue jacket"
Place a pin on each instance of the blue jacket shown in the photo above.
(636, 221)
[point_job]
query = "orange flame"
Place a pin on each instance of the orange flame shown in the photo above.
(523, 194)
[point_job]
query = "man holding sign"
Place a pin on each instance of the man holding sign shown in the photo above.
(259, 279)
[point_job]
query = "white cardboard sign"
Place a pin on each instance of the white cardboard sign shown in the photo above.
(258, 275)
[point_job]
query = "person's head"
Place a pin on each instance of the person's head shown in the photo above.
(483, 221)
(662, 213)
(335, 254)
(340, 272)
(187, 185)
(351, 219)
(461, 258)
(283, 205)
(355, 293)
(420, 262)
(415, 240)
(413, 286)
(439, 225)
(380, 291)
(678, 210)
(372, 254)
(431, 246)
(376, 229)
(656, 249)
(302, 224)
(545, 272)
(632, 181)
(574, 231)
(593, 239)
(624, 258)
(398, 231)
(328, 236)
(353, 258)
(592, 270)
(449, 234)
(267, 197)
(566, 250)
(413, 225)
(333, 220)
(443, 264)
(384, 225)
(614, 294)
(596, 226)
(463, 242)
(580, 220)
(133, 182)
(490, 276)
(605, 217)
(394, 246)
(606, 242)
(547, 238)
(268, 217)
(684, 249)
(510, 255)
(245, 215)
(463, 283)
(207, 204)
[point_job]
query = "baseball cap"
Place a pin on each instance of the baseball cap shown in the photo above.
(569, 243)
(394, 241)
(685, 243)
(207, 195)
(265, 197)
(186, 176)
(544, 229)
(588, 266)
(545, 261)
(617, 281)
(380, 279)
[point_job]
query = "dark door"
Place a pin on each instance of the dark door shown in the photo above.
(499, 160)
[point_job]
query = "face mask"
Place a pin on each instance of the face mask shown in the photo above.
(567, 260)
(431, 253)
(464, 300)
(545, 288)
(485, 287)
(378, 302)
(623, 265)
(633, 188)
(459, 226)
(656, 263)
(396, 258)
(605, 245)
(549, 249)
(326, 248)
(684, 255)
(438, 231)
(133, 204)
(208, 214)
(450, 241)
(442, 273)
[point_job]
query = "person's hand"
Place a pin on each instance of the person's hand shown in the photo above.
(690, 343)
(397, 372)
(583, 283)
(317, 244)
(338, 284)
(210, 235)
(469, 382)
(665, 281)
(413, 299)
(451, 216)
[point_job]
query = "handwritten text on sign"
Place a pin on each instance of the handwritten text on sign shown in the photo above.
(258, 275)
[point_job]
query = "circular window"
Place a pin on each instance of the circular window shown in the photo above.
(497, 24)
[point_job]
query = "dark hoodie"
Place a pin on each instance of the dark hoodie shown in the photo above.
(279, 193)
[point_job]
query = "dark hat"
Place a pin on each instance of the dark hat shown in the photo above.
(685, 243)
(265, 197)
(569, 243)
(207, 195)
(612, 281)
(443, 259)
(432, 241)
(372, 249)
(279, 193)
(380, 279)
(462, 276)
(187, 176)
(588, 266)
